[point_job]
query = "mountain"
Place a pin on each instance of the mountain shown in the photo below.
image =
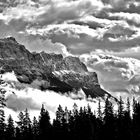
(53, 71)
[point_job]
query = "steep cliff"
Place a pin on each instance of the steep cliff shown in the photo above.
(60, 74)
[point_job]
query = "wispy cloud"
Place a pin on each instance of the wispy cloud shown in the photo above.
(116, 74)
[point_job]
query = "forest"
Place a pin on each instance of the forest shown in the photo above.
(80, 123)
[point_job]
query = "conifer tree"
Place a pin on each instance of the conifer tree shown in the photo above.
(35, 128)
(44, 123)
(109, 126)
(120, 109)
(27, 132)
(60, 115)
(136, 119)
(20, 123)
(127, 122)
(10, 129)
(99, 113)
(108, 111)
(2, 115)
(128, 106)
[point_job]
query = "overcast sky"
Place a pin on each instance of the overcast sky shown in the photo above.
(105, 34)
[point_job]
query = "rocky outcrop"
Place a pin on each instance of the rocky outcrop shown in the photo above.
(61, 74)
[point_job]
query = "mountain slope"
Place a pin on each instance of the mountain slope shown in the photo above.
(53, 71)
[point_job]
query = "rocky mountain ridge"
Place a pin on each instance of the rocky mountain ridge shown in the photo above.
(61, 74)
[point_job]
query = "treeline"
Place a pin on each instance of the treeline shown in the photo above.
(75, 124)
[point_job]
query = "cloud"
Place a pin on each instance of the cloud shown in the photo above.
(31, 98)
(116, 74)
(118, 4)
(129, 53)
(31, 42)
(18, 103)
(45, 12)
(71, 30)
(130, 6)
(38, 44)
(70, 25)
(116, 36)
(130, 17)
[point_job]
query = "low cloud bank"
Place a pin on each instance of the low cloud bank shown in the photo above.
(18, 99)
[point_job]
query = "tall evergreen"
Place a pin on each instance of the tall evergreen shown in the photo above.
(20, 123)
(99, 113)
(120, 108)
(27, 132)
(60, 122)
(2, 115)
(127, 122)
(10, 129)
(35, 128)
(108, 111)
(44, 124)
(109, 120)
(120, 121)
(60, 115)
(24, 125)
(136, 119)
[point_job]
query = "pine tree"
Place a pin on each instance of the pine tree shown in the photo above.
(120, 109)
(120, 121)
(44, 123)
(35, 128)
(26, 119)
(108, 111)
(99, 110)
(20, 123)
(109, 126)
(24, 125)
(136, 119)
(60, 115)
(128, 106)
(10, 129)
(127, 122)
(20, 126)
(75, 110)
(27, 132)
(2, 115)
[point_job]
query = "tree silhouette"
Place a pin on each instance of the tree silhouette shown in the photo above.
(10, 129)
(120, 109)
(99, 113)
(44, 124)
(136, 119)
(27, 132)
(20, 125)
(2, 115)
(77, 124)
(127, 122)
(109, 120)
(35, 128)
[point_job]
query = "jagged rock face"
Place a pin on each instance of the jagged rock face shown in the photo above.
(76, 79)
(62, 74)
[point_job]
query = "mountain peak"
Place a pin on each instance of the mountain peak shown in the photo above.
(9, 39)
(53, 70)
